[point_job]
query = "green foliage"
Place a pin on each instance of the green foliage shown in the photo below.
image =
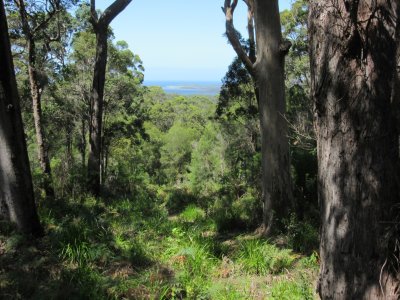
(258, 257)
(176, 152)
(177, 199)
(208, 166)
(180, 177)
(303, 236)
(77, 253)
(290, 290)
(242, 213)
(311, 261)
(192, 214)
(124, 249)
(237, 97)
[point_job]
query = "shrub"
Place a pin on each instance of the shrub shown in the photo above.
(239, 214)
(302, 236)
(178, 198)
(192, 213)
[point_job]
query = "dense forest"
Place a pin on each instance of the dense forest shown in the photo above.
(285, 185)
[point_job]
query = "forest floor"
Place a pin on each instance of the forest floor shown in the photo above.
(125, 250)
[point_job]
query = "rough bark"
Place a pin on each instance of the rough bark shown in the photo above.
(353, 59)
(100, 26)
(36, 94)
(16, 191)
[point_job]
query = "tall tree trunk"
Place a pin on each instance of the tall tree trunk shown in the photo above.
(96, 120)
(17, 202)
(100, 25)
(36, 94)
(266, 66)
(269, 72)
(353, 59)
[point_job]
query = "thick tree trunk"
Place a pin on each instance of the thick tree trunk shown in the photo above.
(94, 163)
(353, 59)
(269, 72)
(36, 94)
(16, 191)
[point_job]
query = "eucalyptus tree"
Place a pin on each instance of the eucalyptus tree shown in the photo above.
(121, 113)
(265, 63)
(17, 203)
(353, 72)
(42, 24)
(100, 24)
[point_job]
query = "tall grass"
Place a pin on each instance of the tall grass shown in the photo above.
(114, 250)
(261, 258)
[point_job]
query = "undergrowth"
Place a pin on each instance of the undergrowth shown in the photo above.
(98, 249)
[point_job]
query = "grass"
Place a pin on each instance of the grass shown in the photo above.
(261, 258)
(118, 250)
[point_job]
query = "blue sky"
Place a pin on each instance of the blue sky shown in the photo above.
(179, 40)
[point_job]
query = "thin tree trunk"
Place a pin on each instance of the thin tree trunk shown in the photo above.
(82, 144)
(36, 91)
(353, 59)
(94, 163)
(269, 71)
(100, 26)
(17, 202)
(251, 31)
(36, 94)
(69, 145)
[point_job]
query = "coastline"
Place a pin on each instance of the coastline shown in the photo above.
(208, 88)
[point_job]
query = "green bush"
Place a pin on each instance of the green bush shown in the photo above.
(192, 213)
(178, 198)
(302, 236)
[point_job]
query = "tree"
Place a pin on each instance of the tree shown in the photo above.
(265, 63)
(353, 68)
(17, 202)
(100, 27)
(35, 19)
(300, 112)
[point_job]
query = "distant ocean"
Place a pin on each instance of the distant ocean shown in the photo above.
(209, 88)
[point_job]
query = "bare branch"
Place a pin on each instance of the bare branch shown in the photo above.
(250, 29)
(229, 9)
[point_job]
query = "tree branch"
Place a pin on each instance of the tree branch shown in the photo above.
(250, 29)
(113, 10)
(50, 14)
(229, 9)
(24, 19)
(93, 13)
